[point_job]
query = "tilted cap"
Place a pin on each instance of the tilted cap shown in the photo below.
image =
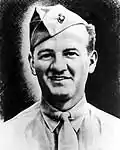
(47, 22)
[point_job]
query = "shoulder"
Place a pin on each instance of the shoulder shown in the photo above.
(104, 116)
(14, 129)
(24, 117)
(110, 124)
(109, 127)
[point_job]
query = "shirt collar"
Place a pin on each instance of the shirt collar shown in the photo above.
(51, 114)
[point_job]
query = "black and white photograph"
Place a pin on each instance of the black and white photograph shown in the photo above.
(59, 75)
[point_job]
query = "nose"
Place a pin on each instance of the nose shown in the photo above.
(59, 64)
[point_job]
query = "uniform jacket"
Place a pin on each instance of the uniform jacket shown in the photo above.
(33, 129)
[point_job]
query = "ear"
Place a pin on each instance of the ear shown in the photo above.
(93, 61)
(31, 62)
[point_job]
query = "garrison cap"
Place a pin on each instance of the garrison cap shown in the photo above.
(47, 22)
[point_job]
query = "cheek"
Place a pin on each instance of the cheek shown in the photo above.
(79, 69)
(41, 68)
(78, 64)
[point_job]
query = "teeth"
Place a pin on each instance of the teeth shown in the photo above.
(57, 78)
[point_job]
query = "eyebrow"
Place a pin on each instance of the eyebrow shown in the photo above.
(68, 49)
(51, 50)
(45, 50)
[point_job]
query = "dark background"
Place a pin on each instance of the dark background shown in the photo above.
(103, 87)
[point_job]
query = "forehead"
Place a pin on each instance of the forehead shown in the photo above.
(71, 37)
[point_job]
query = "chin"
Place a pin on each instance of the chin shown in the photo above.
(63, 92)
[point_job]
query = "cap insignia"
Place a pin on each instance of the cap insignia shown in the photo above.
(61, 18)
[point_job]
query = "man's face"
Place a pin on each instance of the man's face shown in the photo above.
(62, 63)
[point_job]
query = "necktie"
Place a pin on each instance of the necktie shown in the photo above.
(67, 138)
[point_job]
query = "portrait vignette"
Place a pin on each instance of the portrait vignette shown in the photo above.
(30, 84)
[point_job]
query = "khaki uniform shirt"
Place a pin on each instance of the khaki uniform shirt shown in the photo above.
(36, 128)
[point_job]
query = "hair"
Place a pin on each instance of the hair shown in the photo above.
(92, 37)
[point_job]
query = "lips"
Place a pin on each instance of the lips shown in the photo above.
(59, 78)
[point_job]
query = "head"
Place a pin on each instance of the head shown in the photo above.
(62, 58)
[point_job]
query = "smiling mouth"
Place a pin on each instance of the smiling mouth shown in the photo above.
(59, 78)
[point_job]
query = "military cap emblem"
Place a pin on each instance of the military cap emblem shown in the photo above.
(47, 22)
(61, 18)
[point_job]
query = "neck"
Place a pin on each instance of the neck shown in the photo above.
(63, 104)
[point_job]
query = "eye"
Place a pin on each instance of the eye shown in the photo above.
(71, 53)
(45, 56)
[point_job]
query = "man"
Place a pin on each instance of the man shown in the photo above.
(62, 55)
